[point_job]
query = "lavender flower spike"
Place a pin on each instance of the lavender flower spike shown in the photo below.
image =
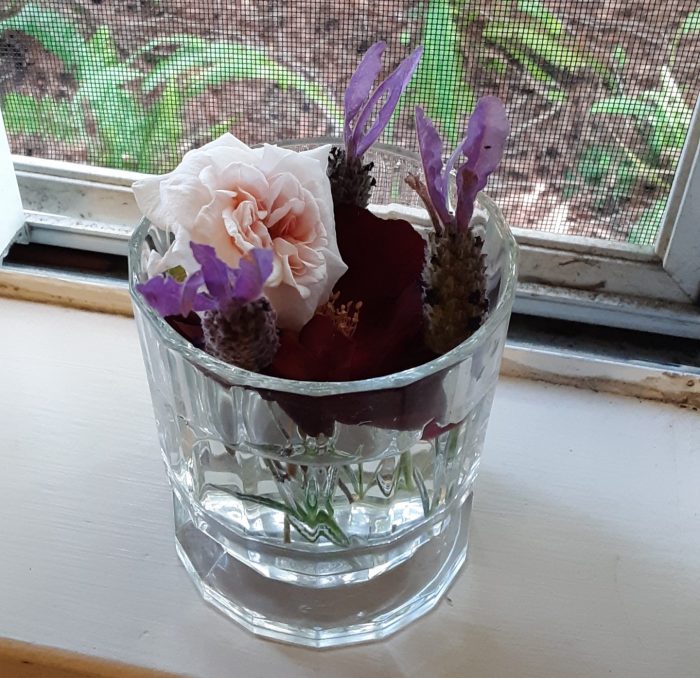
(238, 323)
(242, 327)
(360, 102)
(224, 285)
(456, 302)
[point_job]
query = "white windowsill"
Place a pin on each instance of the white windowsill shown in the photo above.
(585, 553)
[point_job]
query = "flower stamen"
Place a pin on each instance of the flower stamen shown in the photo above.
(345, 317)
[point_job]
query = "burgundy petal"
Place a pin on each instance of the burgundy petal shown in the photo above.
(385, 259)
(317, 353)
(383, 255)
(190, 327)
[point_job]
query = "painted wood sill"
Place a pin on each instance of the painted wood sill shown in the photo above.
(585, 553)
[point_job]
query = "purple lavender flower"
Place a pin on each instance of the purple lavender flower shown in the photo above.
(227, 285)
(360, 101)
(455, 302)
(238, 324)
(351, 179)
(215, 287)
(483, 147)
(430, 146)
(170, 297)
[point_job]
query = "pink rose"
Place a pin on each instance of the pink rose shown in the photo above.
(236, 198)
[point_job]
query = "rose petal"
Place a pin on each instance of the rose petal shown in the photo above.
(383, 255)
(235, 199)
(178, 254)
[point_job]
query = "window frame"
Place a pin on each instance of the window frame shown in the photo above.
(610, 283)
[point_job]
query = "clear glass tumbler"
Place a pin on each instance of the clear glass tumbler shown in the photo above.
(326, 513)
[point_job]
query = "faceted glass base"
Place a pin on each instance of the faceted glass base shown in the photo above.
(320, 615)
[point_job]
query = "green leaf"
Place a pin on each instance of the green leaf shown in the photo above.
(25, 114)
(439, 84)
(117, 115)
(200, 64)
(594, 164)
(537, 10)
(691, 24)
(222, 127)
(497, 65)
(100, 52)
(625, 105)
(619, 56)
(645, 230)
(162, 132)
(559, 53)
(662, 116)
(552, 91)
(689, 27)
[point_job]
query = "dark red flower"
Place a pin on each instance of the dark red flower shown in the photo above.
(374, 324)
(385, 259)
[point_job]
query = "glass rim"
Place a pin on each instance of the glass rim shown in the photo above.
(242, 377)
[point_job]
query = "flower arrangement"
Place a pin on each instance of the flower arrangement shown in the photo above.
(278, 265)
(337, 443)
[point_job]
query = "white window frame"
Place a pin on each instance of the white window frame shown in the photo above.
(12, 214)
(582, 279)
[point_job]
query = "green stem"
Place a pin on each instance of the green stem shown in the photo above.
(406, 470)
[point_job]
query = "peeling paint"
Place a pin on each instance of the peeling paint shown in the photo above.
(631, 380)
(100, 297)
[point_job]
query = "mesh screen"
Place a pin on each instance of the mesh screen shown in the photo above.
(599, 92)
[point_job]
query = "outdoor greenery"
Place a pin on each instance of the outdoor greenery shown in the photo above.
(662, 119)
(529, 34)
(440, 83)
(132, 107)
(137, 114)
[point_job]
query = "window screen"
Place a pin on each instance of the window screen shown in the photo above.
(599, 92)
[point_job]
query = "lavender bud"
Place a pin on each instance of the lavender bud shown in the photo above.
(243, 335)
